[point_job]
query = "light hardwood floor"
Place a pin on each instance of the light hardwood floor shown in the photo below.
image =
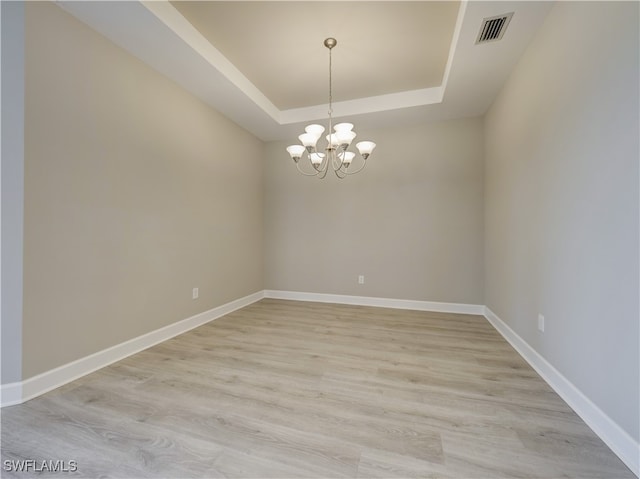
(290, 389)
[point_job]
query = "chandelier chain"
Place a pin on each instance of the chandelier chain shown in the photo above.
(330, 91)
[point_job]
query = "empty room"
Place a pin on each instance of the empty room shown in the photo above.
(368, 239)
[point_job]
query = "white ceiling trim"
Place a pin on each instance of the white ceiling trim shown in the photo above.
(454, 43)
(372, 104)
(177, 23)
(156, 33)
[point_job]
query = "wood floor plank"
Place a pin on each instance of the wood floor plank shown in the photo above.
(291, 389)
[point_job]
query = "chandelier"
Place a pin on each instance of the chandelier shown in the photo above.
(336, 152)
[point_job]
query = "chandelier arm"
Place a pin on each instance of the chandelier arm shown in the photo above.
(304, 172)
(322, 167)
(348, 173)
(340, 166)
(337, 162)
(324, 164)
(324, 172)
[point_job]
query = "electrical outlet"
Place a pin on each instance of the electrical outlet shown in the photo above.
(195, 293)
(541, 323)
(361, 279)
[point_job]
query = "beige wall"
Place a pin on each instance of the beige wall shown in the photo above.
(135, 192)
(562, 201)
(12, 172)
(411, 222)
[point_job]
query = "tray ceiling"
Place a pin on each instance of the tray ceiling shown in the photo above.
(383, 47)
(263, 64)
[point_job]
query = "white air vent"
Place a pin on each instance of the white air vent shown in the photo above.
(493, 28)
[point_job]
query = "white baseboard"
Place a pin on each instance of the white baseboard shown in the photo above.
(618, 440)
(11, 394)
(18, 392)
(459, 308)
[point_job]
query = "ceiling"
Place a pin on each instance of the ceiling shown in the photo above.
(286, 59)
(263, 64)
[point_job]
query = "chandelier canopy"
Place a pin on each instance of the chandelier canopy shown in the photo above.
(336, 152)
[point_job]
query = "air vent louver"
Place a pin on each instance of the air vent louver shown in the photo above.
(493, 28)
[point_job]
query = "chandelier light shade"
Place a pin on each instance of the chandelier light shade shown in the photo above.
(339, 139)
